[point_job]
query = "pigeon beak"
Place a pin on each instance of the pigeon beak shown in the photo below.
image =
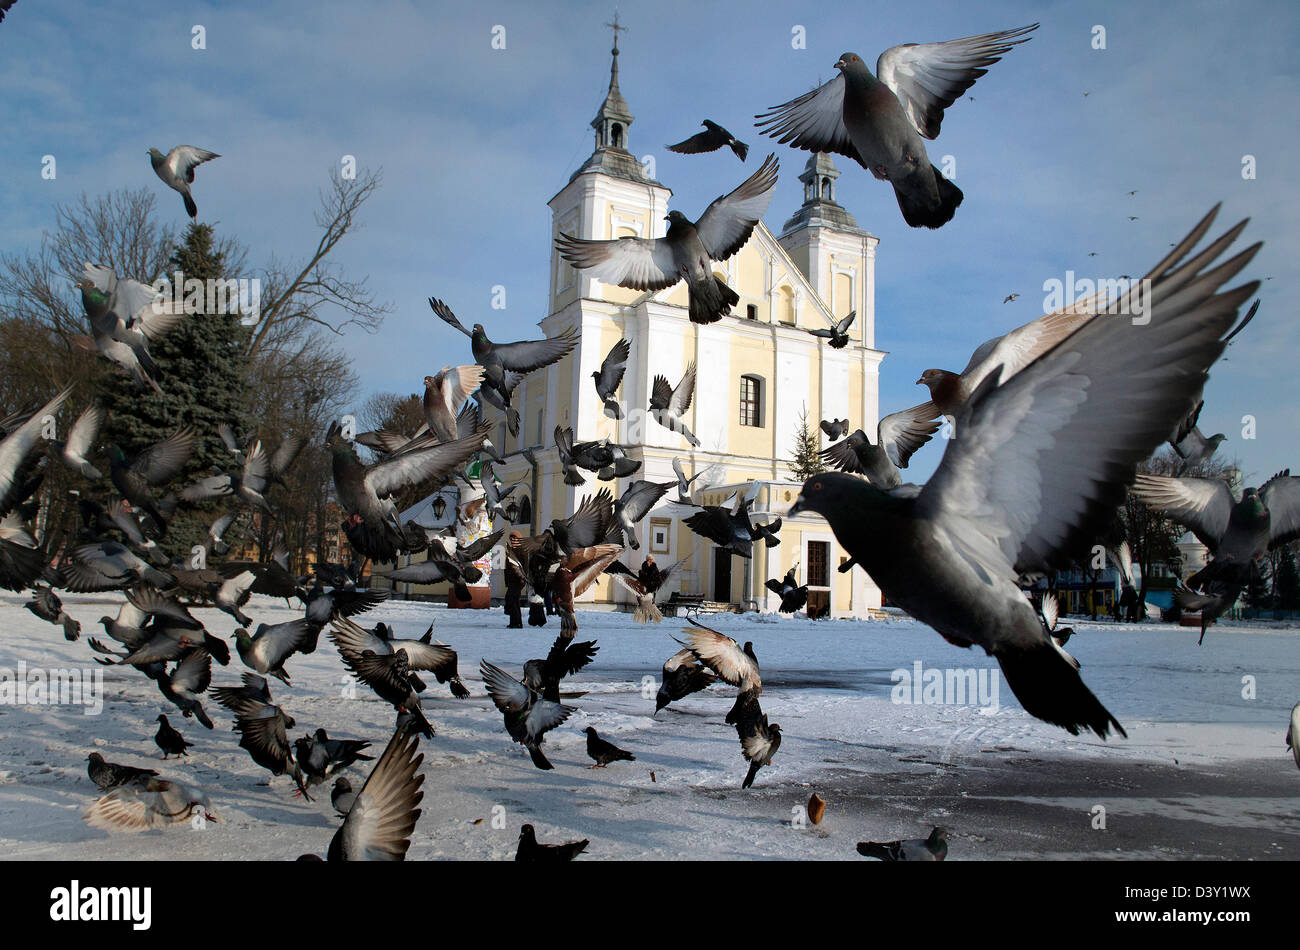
(840, 64)
(921, 381)
(797, 508)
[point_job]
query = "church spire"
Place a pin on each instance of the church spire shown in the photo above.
(612, 155)
(614, 117)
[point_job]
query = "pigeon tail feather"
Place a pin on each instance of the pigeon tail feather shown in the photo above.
(918, 213)
(1050, 689)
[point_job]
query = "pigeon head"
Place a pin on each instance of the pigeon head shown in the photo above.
(1215, 440)
(161, 718)
(848, 59)
(527, 833)
(590, 730)
(431, 382)
(95, 757)
(676, 217)
(825, 494)
(154, 153)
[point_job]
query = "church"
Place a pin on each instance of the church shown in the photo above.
(759, 373)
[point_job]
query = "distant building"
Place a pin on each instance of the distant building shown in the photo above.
(759, 371)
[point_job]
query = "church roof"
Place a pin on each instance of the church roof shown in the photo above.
(820, 209)
(611, 156)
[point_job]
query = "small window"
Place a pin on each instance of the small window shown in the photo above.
(751, 311)
(751, 401)
(818, 556)
(616, 135)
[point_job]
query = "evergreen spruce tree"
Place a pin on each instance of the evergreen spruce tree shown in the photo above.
(1288, 582)
(806, 462)
(1258, 594)
(202, 373)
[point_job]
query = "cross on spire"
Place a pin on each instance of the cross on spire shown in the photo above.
(617, 30)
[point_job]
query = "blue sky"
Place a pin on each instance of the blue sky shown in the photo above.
(473, 141)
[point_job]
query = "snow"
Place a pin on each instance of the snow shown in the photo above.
(1204, 772)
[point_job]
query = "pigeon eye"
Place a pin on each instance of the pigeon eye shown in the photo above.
(817, 486)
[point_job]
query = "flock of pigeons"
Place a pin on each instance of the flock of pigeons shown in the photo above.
(1006, 505)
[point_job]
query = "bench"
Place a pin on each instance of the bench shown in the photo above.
(679, 604)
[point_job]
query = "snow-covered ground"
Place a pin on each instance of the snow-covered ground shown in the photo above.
(1204, 771)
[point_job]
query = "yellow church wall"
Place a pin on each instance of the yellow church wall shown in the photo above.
(751, 357)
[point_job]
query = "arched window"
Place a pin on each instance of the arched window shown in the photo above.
(616, 135)
(785, 306)
(828, 194)
(751, 400)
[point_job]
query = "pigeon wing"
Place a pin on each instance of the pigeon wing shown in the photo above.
(380, 823)
(1281, 494)
(1202, 504)
(902, 433)
(929, 77)
(526, 356)
(421, 464)
(163, 461)
(633, 262)
(728, 222)
(685, 391)
(813, 122)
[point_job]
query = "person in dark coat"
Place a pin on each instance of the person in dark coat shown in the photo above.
(515, 581)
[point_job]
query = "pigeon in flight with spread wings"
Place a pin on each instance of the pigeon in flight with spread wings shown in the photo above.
(898, 435)
(176, 169)
(667, 405)
(837, 333)
(881, 120)
(711, 139)
(686, 252)
(1002, 502)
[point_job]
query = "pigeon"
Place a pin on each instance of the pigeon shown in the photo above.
(838, 333)
(266, 650)
(634, 504)
(19, 451)
(445, 395)
(323, 605)
(152, 468)
(109, 775)
(565, 658)
(108, 566)
(1215, 597)
(668, 404)
(263, 731)
(793, 596)
(176, 169)
(731, 528)
(254, 688)
(389, 675)
(319, 756)
(683, 674)
(22, 560)
(148, 802)
(610, 375)
(81, 439)
(1009, 298)
(1001, 504)
(169, 740)
(734, 664)
(881, 120)
(1050, 610)
(836, 429)
(759, 739)
(933, 848)
(343, 796)
(1293, 734)
(1237, 533)
(421, 654)
(365, 491)
(645, 586)
(531, 850)
(687, 252)
(125, 316)
(528, 717)
(189, 678)
(381, 817)
(603, 752)
(1190, 445)
(898, 436)
(46, 605)
(575, 574)
(711, 139)
(234, 593)
(5, 7)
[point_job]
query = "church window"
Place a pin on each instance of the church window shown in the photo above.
(751, 311)
(751, 401)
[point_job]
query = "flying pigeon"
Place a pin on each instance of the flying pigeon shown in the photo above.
(565, 658)
(793, 595)
(711, 139)
(421, 654)
(838, 333)
(176, 169)
(682, 675)
(169, 739)
(319, 756)
(668, 405)
(603, 752)
(108, 775)
(389, 675)
(575, 574)
(610, 375)
(1188, 442)
(81, 440)
(264, 733)
(19, 451)
(836, 429)
(881, 120)
(759, 739)
(634, 504)
(734, 664)
(46, 605)
(528, 717)
(444, 396)
(271, 644)
(1001, 505)
(152, 468)
(687, 252)
(381, 817)
(645, 585)
(186, 681)
(1050, 610)
(933, 848)
(125, 316)
(898, 436)
(531, 850)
